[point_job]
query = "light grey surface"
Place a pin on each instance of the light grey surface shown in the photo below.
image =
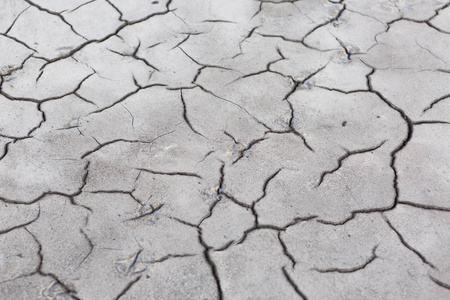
(213, 149)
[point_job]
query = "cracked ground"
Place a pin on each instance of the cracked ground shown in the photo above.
(224, 149)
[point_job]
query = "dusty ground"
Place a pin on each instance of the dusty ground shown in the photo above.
(233, 149)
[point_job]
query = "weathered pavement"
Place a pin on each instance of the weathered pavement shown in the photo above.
(218, 149)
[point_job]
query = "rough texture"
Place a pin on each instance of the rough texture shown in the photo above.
(209, 149)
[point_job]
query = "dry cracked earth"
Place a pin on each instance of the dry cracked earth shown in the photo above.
(224, 149)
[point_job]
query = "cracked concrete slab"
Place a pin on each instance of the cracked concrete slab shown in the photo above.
(207, 149)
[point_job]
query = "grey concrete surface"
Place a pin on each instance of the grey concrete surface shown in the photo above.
(224, 149)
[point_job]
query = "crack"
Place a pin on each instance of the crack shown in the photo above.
(138, 88)
(153, 210)
(203, 66)
(249, 146)
(115, 33)
(294, 88)
(344, 157)
(376, 43)
(18, 277)
(184, 222)
(185, 117)
(365, 15)
(280, 2)
(410, 130)
(135, 56)
(437, 11)
(398, 8)
(178, 17)
(293, 284)
(60, 16)
(218, 197)
(48, 193)
(210, 212)
(39, 76)
(258, 11)
(429, 51)
(130, 193)
(84, 99)
(435, 102)
(229, 101)
(169, 256)
(224, 247)
(267, 69)
(117, 10)
(423, 206)
(22, 225)
(266, 183)
(218, 21)
(296, 221)
(350, 270)
(286, 250)
(280, 53)
(14, 22)
(14, 138)
(83, 183)
(206, 155)
(236, 201)
(128, 287)
(354, 213)
(131, 115)
(20, 42)
(437, 28)
(250, 230)
(45, 194)
(100, 146)
(91, 245)
(135, 258)
(81, 5)
(312, 74)
(5, 150)
(429, 122)
(39, 271)
(10, 72)
(292, 41)
(256, 73)
(212, 265)
(190, 57)
(402, 18)
(188, 35)
(333, 19)
(440, 283)
(197, 74)
(170, 173)
(231, 137)
(340, 91)
(402, 240)
(418, 22)
(250, 33)
(18, 138)
(291, 122)
(257, 226)
(346, 50)
(45, 99)
(179, 88)
(40, 123)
